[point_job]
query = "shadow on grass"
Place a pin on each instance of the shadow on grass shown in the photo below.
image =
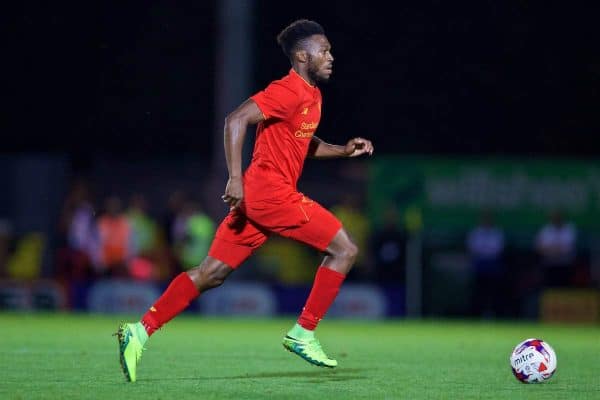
(313, 376)
(330, 375)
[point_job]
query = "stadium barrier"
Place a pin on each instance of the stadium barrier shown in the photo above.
(32, 295)
(253, 299)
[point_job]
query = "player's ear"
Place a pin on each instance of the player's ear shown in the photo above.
(301, 55)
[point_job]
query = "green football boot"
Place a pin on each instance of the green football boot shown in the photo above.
(130, 350)
(310, 350)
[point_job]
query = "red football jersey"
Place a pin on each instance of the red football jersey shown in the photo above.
(292, 111)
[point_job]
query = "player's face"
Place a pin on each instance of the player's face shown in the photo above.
(320, 60)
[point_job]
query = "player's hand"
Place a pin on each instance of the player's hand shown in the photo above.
(358, 146)
(234, 192)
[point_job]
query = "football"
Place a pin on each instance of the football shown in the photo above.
(533, 361)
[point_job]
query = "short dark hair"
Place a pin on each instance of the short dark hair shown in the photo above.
(295, 32)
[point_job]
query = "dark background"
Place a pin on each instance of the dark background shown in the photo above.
(433, 77)
(125, 100)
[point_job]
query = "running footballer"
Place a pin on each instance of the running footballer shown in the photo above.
(264, 200)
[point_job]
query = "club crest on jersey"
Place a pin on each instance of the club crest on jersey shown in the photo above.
(305, 111)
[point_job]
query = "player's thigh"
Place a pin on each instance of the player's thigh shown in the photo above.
(318, 227)
(237, 237)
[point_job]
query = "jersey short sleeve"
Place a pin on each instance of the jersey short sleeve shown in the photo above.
(278, 100)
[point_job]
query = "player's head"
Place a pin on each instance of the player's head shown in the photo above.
(305, 44)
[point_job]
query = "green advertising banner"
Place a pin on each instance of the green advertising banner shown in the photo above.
(450, 193)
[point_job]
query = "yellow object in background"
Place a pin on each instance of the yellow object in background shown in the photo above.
(357, 225)
(287, 261)
(26, 261)
(413, 219)
(570, 305)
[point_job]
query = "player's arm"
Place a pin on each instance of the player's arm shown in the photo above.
(236, 125)
(355, 147)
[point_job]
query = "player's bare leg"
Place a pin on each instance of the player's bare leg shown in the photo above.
(210, 274)
(183, 289)
(341, 254)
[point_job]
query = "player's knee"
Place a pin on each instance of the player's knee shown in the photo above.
(208, 276)
(348, 252)
(214, 276)
(352, 252)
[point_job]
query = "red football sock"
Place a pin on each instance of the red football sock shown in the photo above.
(174, 300)
(325, 289)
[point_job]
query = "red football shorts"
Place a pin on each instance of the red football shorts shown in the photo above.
(244, 230)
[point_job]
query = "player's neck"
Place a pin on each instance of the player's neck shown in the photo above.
(304, 75)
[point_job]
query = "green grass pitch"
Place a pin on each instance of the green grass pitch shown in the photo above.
(62, 356)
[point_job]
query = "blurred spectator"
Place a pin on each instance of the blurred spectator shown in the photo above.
(79, 251)
(175, 204)
(149, 253)
(485, 244)
(388, 249)
(144, 228)
(358, 227)
(82, 232)
(116, 239)
(556, 246)
(193, 233)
